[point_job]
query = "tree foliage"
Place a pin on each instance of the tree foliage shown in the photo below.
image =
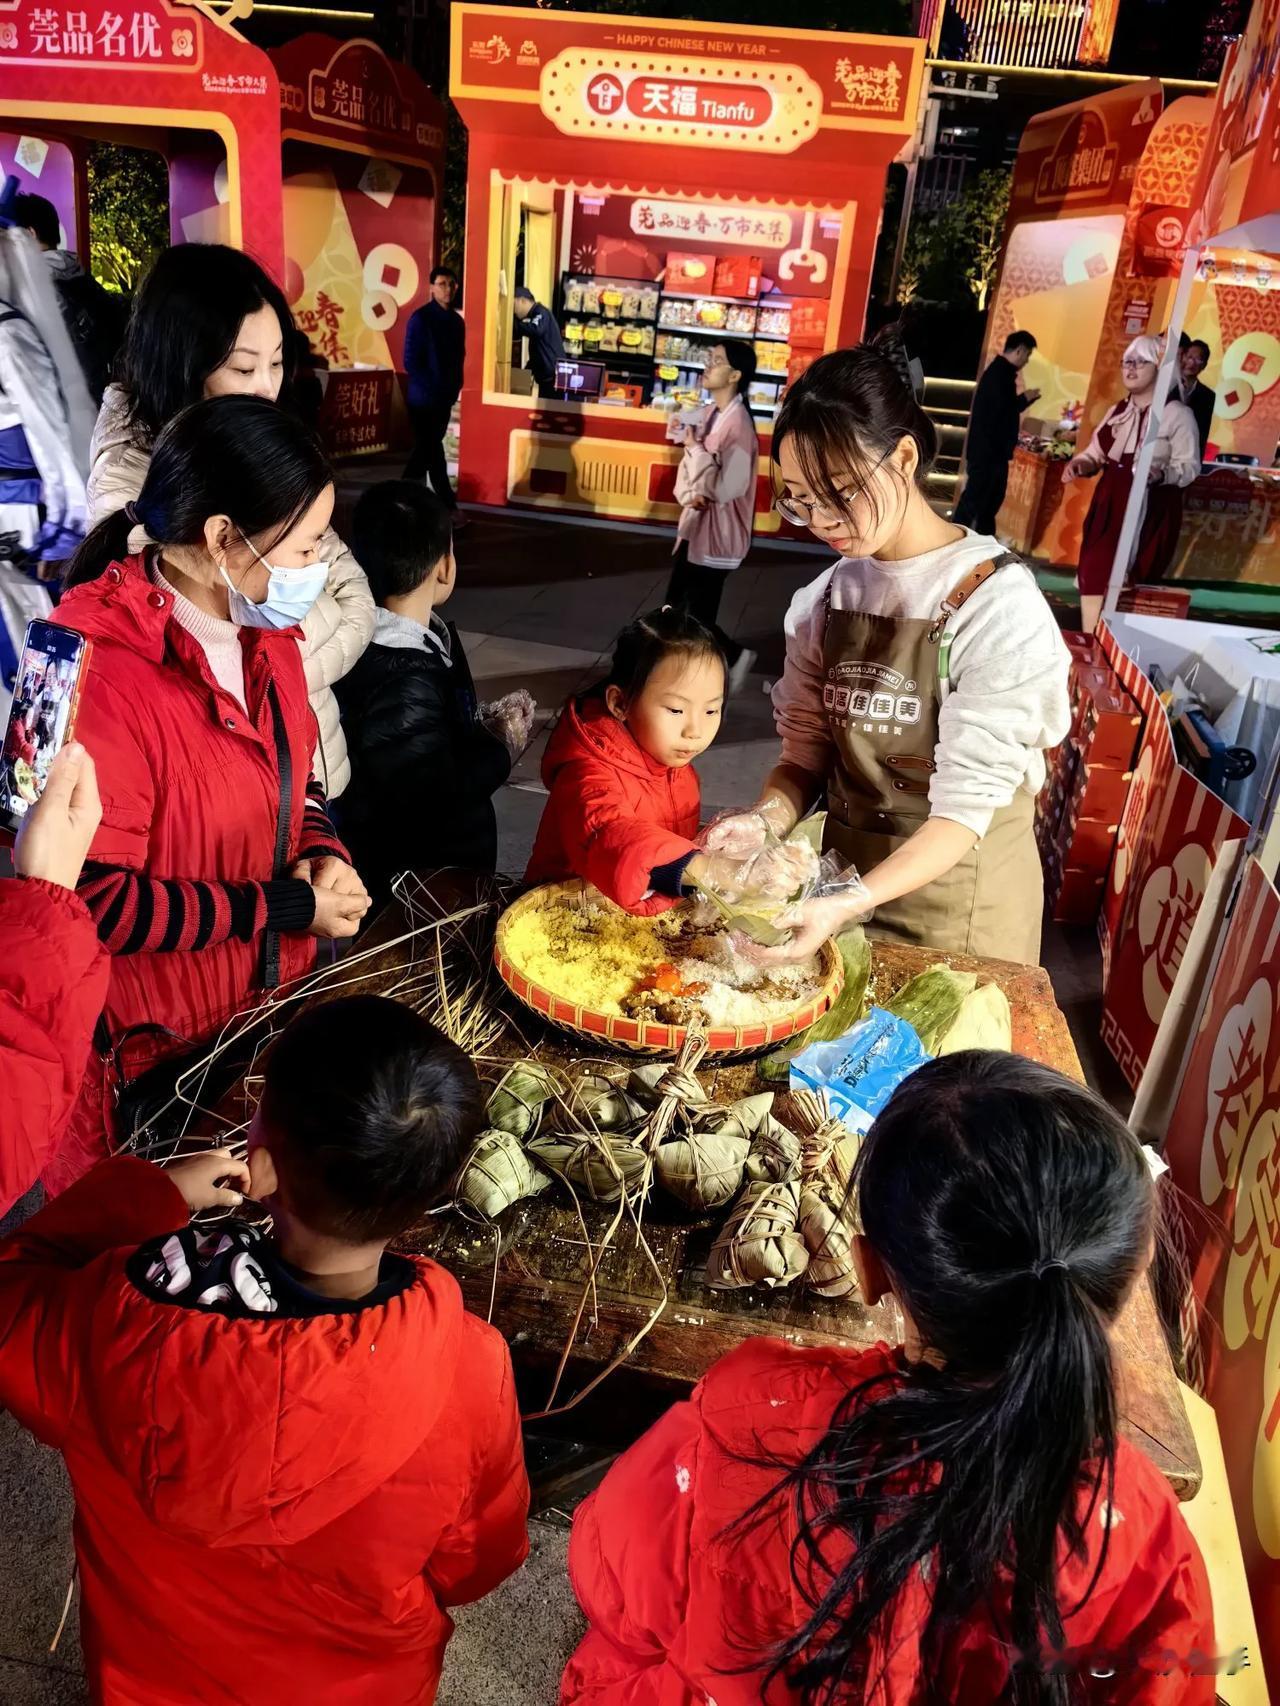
(952, 256)
(128, 213)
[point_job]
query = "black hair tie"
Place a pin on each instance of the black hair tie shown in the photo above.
(1046, 1264)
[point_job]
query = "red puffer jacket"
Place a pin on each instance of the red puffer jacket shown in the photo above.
(53, 981)
(267, 1510)
(191, 795)
(678, 1597)
(614, 814)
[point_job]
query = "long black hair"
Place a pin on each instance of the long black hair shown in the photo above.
(236, 456)
(1012, 1212)
(183, 326)
(848, 413)
(645, 643)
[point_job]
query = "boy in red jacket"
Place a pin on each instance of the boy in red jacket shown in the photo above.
(291, 1451)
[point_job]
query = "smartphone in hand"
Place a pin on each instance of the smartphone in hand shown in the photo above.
(42, 717)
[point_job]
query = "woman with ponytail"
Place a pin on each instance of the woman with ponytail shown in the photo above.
(216, 865)
(958, 1520)
(924, 678)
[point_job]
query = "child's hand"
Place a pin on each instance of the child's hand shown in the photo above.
(210, 1180)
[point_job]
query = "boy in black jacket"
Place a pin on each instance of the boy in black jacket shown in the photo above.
(425, 758)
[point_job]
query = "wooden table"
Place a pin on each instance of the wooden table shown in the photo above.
(528, 1275)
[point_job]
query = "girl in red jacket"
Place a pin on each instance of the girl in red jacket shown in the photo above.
(624, 799)
(955, 1521)
(215, 866)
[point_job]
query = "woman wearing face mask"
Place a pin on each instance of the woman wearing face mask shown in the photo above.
(1110, 454)
(208, 322)
(215, 866)
(924, 679)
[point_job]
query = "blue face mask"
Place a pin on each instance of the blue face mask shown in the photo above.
(290, 594)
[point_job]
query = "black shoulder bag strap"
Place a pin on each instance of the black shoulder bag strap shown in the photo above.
(284, 819)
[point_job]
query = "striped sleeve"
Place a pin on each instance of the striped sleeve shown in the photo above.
(137, 914)
(319, 838)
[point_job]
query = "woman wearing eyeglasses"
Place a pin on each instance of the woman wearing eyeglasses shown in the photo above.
(1111, 452)
(924, 678)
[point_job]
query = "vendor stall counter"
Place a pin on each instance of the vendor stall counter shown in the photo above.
(658, 188)
(529, 1273)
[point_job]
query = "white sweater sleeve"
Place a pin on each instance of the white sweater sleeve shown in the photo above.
(798, 712)
(1008, 700)
(1184, 444)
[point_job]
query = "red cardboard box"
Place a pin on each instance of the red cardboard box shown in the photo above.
(737, 275)
(1109, 727)
(809, 323)
(1156, 601)
(1078, 899)
(693, 273)
(1085, 649)
(1088, 844)
(1100, 793)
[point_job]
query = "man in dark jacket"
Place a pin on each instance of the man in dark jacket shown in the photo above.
(426, 760)
(94, 322)
(993, 434)
(1193, 358)
(538, 324)
(435, 344)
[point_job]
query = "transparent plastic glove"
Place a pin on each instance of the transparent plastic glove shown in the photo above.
(510, 720)
(761, 885)
(782, 870)
(737, 835)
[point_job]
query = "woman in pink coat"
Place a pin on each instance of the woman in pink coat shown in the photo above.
(716, 491)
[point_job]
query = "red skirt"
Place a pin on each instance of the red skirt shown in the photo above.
(1157, 540)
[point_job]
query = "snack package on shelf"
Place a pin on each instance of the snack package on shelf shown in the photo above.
(573, 296)
(773, 322)
(756, 880)
(689, 272)
(738, 275)
(772, 357)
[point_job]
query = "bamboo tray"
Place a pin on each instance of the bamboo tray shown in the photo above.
(641, 1036)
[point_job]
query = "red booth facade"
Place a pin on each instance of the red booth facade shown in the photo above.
(658, 185)
(173, 78)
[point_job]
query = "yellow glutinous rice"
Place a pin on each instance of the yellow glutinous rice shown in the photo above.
(592, 954)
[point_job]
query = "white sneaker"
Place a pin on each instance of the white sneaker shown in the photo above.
(741, 670)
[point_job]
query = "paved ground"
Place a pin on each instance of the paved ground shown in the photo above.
(538, 604)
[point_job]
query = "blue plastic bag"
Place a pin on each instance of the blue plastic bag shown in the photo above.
(861, 1070)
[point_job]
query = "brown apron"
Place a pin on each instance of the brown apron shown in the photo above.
(882, 695)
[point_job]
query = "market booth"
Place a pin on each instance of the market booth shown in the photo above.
(1172, 842)
(362, 175)
(1099, 214)
(658, 186)
(1106, 197)
(173, 78)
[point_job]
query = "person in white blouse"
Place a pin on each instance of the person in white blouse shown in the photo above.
(1110, 455)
